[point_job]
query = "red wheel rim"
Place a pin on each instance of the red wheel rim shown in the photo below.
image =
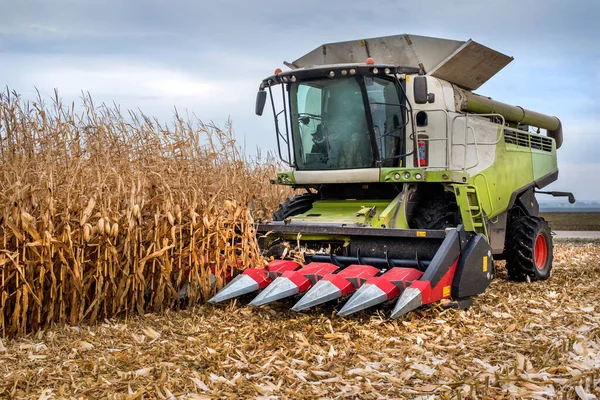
(540, 251)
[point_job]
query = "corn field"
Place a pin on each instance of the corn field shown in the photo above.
(106, 214)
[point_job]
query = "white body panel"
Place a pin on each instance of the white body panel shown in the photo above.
(478, 151)
(337, 176)
(445, 132)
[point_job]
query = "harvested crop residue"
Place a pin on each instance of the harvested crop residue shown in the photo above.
(538, 340)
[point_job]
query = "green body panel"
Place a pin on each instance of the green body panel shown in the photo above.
(543, 163)
(514, 168)
(350, 212)
(285, 178)
(394, 216)
(395, 175)
(511, 170)
(386, 214)
(412, 175)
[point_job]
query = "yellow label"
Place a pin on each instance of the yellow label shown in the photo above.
(362, 43)
(446, 291)
(421, 233)
(485, 263)
(407, 78)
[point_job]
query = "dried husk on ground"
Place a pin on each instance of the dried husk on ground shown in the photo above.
(104, 215)
(519, 340)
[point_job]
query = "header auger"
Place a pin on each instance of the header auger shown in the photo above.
(413, 183)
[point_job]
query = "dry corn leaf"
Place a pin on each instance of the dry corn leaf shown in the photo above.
(83, 345)
(151, 333)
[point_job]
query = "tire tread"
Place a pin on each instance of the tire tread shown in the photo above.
(437, 213)
(519, 248)
(298, 204)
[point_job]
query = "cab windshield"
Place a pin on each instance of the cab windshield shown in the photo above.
(330, 125)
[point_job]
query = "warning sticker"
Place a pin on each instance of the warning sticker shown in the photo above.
(421, 233)
(485, 264)
(446, 291)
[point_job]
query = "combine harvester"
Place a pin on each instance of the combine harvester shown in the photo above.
(413, 182)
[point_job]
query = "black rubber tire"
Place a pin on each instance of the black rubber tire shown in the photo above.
(298, 204)
(525, 255)
(436, 211)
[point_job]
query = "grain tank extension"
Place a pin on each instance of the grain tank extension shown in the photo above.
(412, 184)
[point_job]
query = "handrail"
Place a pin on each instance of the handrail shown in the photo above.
(487, 189)
(476, 150)
(475, 142)
(502, 125)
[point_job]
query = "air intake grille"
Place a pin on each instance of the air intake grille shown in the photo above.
(524, 139)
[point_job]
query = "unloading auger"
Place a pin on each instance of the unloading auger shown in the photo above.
(413, 184)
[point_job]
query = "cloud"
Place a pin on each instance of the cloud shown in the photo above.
(209, 57)
(156, 89)
(116, 78)
(123, 80)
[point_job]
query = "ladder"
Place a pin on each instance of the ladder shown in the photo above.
(470, 208)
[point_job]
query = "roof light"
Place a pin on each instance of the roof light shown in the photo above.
(331, 74)
(375, 70)
(344, 72)
(352, 71)
(278, 71)
(387, 70)
(370, 61)
(293, 78)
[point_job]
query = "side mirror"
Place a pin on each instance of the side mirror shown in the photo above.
(420, 91)
(261, 98)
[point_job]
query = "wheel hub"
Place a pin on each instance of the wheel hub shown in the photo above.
(540, 251)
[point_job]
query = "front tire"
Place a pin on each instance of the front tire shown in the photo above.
(528, 249)
(298, 204)
(436, 210)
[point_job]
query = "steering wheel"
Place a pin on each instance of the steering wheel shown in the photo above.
(306, 117)
(327, 130)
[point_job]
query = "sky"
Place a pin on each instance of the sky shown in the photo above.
(208, 57)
